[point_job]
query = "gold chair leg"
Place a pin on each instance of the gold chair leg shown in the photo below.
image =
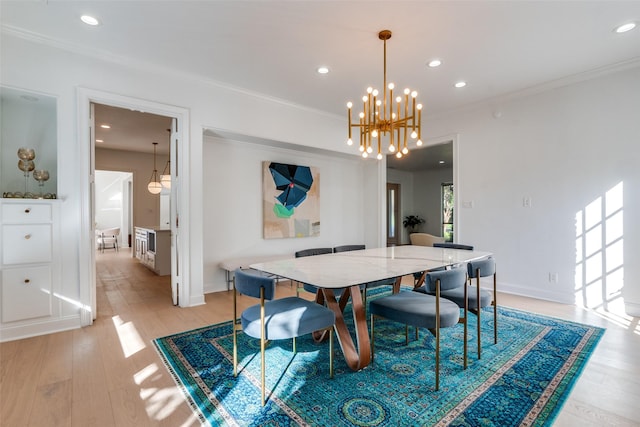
(437, 334)
(466, 324)
(262, 345)
(478, 311)
(331, 352)
(495, 310)
(295, 350)
(235, 337)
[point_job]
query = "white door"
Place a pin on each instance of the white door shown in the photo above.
(176, 272)
(92, 210)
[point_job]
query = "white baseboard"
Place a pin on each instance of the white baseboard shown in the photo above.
(32, 329)
(632, 309)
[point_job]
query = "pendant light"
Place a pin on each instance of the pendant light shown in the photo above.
(154, 186)
(165, 178)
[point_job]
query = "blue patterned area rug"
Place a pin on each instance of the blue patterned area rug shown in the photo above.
(521, 381)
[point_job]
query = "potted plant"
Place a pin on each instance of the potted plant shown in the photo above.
(411, 222)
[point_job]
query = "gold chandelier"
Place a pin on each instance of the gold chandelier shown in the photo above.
(378, 118)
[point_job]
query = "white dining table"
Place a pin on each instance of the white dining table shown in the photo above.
(350, 270)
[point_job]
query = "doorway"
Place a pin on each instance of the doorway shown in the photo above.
(114, 204)
(393, 214)
(419, 176)
(179, 249)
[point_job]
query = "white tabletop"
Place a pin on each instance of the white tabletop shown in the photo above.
(344, 269)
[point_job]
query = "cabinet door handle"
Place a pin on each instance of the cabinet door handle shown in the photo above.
(27, 210)
(27, 281)
(27, 236)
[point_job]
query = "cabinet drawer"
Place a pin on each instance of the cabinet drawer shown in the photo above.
(150, 260)
(26, 213)
(29, 243)
(26, 293)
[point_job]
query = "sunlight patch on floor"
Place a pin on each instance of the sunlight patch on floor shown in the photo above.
(160, 402)
(130, 340)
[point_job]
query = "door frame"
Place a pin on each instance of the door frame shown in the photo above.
(382, 185)
(397, 239)
(87, 262)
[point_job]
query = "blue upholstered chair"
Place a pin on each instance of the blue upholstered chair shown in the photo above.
(419, 310)
(347, 248)
(475, 270)
(453, 288)
(275, 319)
(311, 252)
(453, 246)
(446, 245)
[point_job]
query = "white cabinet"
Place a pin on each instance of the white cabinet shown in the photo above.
(29, 283)
(153, 249)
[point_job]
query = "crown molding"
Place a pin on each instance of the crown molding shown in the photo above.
(543, 87)
(106, 56)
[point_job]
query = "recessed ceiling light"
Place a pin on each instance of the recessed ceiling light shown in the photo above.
(105, 126)
(89, 20)
(441, 162)
(99, 140)
(323, 70)
(460, 84)
(625, 27)
(434, 63)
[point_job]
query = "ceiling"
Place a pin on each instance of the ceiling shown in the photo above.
(273, 48)
(131, 130)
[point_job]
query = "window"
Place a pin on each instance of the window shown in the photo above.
(447, 211)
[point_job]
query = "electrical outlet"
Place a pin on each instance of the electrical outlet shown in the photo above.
(553, 277)
(526, 202)
(467, 204)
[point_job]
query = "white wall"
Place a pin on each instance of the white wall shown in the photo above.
(233, 203)
(146, 206)
(564, 149)
(109, 200)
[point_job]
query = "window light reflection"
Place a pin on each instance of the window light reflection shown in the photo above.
(599, 274)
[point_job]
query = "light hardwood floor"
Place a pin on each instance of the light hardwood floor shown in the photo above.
(109, 374)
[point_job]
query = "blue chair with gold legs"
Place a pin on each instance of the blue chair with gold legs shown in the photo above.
(310, 252)
(475, 270)
(453, 288)
(275, 319)
(419, 310)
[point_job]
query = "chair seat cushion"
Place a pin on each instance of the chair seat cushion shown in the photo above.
(415, 309)
(287, 318)
(457, 296)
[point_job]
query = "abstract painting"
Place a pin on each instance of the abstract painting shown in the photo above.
(291, 200)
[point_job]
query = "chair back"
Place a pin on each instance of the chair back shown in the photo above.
(449, 279)
(453, 246)
(315, 251)
(249, 282)
(486, 267)
(110, 232)
(348, 248)
(424, 239)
